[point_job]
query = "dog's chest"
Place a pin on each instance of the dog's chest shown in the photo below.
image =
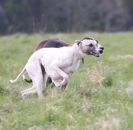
(66, 60)
(71, 66)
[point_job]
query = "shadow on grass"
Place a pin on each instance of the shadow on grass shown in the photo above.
(3, 91)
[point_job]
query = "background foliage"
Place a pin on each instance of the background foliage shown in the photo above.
(65, 15)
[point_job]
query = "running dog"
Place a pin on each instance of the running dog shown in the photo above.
(50, 43)
(59, 63)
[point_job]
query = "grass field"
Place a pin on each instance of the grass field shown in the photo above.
(99, 95)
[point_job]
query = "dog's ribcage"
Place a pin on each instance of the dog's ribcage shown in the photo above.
(65, 59)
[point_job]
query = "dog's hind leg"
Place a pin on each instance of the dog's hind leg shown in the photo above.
(28, 91)
(35, 73)
(36, 88)
(39, 86)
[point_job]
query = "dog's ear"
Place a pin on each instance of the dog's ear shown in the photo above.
(89, 38)
(78, 42)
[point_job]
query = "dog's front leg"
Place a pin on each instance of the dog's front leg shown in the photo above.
(63, 75)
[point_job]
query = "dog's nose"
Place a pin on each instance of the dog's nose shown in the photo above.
(102, 48)
(101, 51)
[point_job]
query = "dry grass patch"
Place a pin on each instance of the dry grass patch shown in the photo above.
(108, 123)
(97, 76)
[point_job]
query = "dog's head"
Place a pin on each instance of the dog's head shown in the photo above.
(90, 46)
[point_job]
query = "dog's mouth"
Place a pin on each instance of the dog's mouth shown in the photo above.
(96, 54)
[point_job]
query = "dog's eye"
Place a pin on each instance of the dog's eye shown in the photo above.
(91, 45)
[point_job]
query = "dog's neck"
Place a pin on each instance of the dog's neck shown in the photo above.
(78, 51)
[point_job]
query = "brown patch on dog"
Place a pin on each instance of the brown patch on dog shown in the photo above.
(51, 43)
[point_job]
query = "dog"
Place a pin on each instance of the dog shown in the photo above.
(48, 44)
(59, 63)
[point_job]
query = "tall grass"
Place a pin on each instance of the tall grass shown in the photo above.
(98, 97)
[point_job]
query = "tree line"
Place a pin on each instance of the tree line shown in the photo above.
(32, 16)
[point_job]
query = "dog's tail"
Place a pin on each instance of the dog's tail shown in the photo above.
(15, 80)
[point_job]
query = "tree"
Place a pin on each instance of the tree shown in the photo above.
(65, 15)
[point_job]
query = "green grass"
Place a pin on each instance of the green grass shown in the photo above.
(99, 95)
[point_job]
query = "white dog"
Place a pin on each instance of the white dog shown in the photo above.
(59, 63)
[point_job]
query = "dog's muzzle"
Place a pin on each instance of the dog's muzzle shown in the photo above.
(95, 53)
(101, 50)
